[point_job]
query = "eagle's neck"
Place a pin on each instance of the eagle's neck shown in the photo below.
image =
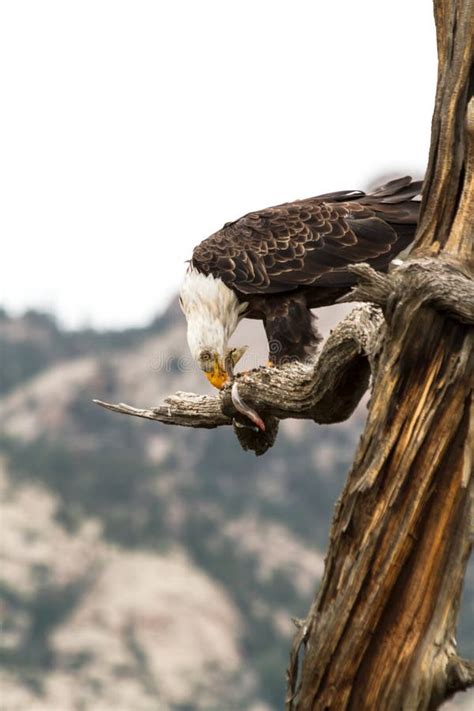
(212, 311)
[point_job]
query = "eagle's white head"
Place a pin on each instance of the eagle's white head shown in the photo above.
(212, 311)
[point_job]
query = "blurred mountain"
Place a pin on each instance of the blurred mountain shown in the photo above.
(149, 567)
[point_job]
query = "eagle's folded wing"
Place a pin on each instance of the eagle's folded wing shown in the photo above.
(300, 244)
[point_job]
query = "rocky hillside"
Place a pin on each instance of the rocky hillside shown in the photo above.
(146, 567)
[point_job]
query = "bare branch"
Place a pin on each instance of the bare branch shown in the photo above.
(185, 409)
(325, 391)
(442, 284)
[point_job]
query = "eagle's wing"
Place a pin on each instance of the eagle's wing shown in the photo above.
(310, 242)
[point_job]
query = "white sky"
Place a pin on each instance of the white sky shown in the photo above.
(131, 130)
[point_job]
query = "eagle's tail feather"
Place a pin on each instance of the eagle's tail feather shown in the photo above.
(394, 202)
(394, 191)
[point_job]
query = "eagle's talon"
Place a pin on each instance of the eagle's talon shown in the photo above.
(229, 367)
(242, 426)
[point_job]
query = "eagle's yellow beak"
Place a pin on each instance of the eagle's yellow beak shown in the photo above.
(217, 376)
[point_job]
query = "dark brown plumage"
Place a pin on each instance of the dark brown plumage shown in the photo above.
(287, 259)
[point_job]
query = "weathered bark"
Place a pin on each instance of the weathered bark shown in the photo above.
(380, 633)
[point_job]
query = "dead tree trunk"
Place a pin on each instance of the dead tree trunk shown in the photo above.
(380, 633)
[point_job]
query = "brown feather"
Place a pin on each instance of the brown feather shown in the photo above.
(253, 254)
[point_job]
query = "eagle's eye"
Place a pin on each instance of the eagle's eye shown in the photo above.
(206, 360)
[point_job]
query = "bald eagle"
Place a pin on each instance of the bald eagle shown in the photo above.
(279, 263)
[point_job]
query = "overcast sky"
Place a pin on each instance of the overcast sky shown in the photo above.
(131, 130)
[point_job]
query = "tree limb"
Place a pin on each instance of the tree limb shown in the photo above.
(326, 391)
(185, 409)
(443, 284)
